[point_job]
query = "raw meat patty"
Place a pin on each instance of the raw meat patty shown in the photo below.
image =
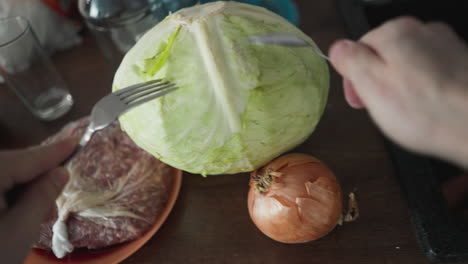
(110, 162)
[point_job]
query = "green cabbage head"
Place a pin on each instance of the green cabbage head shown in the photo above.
(238, 105)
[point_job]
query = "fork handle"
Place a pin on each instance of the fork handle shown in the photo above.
(83, 142)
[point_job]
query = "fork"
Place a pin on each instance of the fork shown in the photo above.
(106, 111)
(284, 39)
(111, 106)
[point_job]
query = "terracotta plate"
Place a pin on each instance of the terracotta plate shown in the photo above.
(110, 255)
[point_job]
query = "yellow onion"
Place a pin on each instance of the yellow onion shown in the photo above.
(295, 199)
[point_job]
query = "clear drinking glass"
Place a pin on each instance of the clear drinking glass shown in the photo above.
(118, 24)
(29, 72)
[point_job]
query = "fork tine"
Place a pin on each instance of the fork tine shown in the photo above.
(150, 90)
(151, 97)
(136, 92)
(136, 86)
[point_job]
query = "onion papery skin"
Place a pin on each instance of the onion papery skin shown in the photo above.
(295, 199)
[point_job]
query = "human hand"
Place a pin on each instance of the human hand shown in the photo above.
(413, 80)
(37, 168)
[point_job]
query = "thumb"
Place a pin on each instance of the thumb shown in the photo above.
(26, 216)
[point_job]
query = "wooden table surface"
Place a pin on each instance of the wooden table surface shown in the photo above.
(210, 221)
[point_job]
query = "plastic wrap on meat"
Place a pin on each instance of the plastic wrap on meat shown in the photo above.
(115, 193)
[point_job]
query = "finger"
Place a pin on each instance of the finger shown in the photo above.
(351, 96)
(25, 217)
(21, 166)
(354, 59)
(359, 64)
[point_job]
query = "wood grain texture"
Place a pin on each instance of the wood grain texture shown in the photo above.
(210, 221)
